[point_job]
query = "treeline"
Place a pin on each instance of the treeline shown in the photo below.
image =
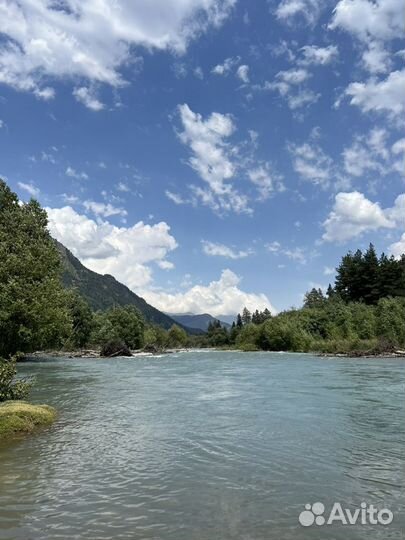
(363, 311)
(38, 313)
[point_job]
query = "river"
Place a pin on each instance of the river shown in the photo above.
(207, 446)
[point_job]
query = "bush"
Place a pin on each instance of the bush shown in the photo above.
(10, 388)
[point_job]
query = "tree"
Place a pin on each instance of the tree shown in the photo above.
(246, 316)
(177, 337)
(33, 304)
(82, 320)
(239, 322)
(122, 324)
(314, 298)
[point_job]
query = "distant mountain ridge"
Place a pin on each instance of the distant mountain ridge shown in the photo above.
(104, 291)
(200, 322)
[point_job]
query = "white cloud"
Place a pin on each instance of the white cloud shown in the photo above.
(376, 58)
(243, 73)
(309, 10)
(124, 252)
(2, 124)
(366, 19)
(379, 96)
(175, 197)
(70, 171)
(222, 297)
(104, 210)
(29, 188)
(220, 250)
(88, 98)
(266, 180)
(93, 39)
(319, 55)
(226, 67)
(289, 85)
(367, 153)
(312, 164)
(212, 159)
(123, 187)
(398, 248)
(353, 214)
(295, 254)
(398, 149)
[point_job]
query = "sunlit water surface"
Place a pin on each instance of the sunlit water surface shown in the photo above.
(207, 446)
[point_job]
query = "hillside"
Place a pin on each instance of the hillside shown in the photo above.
(104, 291)
(200, 322)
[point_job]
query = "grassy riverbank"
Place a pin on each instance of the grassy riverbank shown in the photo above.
(19, 417)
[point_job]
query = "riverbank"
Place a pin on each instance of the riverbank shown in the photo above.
(93, 353)
(20, 417)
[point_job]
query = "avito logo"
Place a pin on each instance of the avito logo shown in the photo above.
(314, 514)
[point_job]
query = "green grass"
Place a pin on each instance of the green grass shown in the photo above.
(18, 417)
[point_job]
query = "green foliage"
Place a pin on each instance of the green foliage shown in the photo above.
(122, 324)
(33, 309)
(367, 278)
(82, 320)
(176, 337)
(10, 388)
(314, 298)
(282, 334)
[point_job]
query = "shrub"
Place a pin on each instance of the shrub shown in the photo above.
(9, 387)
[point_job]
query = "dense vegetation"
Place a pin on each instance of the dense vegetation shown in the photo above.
(364, 311)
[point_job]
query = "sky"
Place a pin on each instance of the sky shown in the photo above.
(208, 154)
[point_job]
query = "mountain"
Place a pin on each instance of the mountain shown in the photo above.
(199, 322)
(104, 291)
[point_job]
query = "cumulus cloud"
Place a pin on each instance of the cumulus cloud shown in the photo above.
(222, 297)
(29, 188)
(398, 248)
(220, 250)
(92, 40)
(127, 253)
(379, 96)
(353, 214)
(212, 159)
(370, 19)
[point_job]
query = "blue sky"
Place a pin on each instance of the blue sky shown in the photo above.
(209, 154)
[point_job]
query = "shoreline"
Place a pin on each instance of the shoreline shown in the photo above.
(95, 354)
